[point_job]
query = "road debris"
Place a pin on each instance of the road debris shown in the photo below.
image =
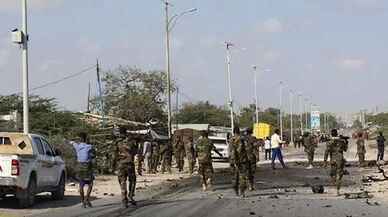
(358, 195)
(372, 203)
(274, 196)
(318, 189)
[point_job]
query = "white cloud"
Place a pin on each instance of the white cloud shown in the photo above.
(271, 25)
(32, 4)
(352, 64)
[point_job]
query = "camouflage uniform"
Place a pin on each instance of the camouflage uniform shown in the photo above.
(335, 149)
(166, 153)
(179, 152)
(189, 149)
(251, 146)
(126, 151)
(155, 157)
(361, 151)
(241, 164)
(204, 149)
(310, 145)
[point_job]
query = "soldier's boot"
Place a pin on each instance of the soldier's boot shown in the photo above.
(132, 201)
(204, 187)
(251, 186)
(242, 193)
(209, 183)
(236, 190)
(124, 204)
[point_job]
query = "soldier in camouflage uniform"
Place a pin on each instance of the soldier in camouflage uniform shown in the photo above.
(336, 147)
(155, 156)
(189, 149)
(241, 162)
(126, 150)
(361, 148)
(251, 143)
(204, 149)
(166, 154)
(310, 144)
(179, 152)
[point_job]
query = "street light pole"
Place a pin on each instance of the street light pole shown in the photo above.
(256, 98)
(291, 118)
(228, 57)
(280, 109)
(26, 127)
(306, 112)
(300, 113)
(170, 24)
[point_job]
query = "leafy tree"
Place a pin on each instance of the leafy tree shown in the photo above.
(203, 113)
(135, 95)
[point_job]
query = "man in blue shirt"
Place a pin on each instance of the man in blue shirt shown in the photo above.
(85, 156)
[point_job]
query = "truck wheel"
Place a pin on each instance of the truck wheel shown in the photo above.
(28, 196)
(59, 193)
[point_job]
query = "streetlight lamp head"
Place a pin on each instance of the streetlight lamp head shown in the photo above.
(192, 10)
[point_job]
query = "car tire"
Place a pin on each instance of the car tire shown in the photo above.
(59, 193)
(27, 198)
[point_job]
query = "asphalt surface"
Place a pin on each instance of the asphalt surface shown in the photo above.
(283, 192)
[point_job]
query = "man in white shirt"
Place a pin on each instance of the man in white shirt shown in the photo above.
(267, 148)
(276, 149)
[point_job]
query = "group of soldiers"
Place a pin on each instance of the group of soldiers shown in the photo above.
(244, 151)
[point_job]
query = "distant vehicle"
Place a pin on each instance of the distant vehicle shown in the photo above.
(222, 146)
(29, 165)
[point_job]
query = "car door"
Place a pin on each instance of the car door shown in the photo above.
(41, 161)
(50, 163)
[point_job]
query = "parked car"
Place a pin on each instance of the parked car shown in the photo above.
(30, 165)
(222, 146)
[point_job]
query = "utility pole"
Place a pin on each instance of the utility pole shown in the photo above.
(177, 107)
(100, 93)
(306, 100)
(167, 20)
(26, 123)
(228, 57)
(280, 109)
(301, 113)
(291, 117)
(256, 98)
(88, 105)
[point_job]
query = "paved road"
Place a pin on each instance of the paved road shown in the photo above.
(279, 193)
(284, 192)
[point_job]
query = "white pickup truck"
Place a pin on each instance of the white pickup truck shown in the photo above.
(29, 165)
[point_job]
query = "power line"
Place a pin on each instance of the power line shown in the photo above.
(60, 80)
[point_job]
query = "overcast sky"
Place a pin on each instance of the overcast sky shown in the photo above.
(334, 51)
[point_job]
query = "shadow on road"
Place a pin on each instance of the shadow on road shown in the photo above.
(42, 202)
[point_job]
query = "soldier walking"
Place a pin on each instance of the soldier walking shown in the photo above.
(380, 147)
(241, 162)
(155, 156)
(310, 144)
(204, 148)
(126, 151)
(251, 142)
(166, 153)
(361, 149)
(179, 152)
(189, 149)
(336, 147)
